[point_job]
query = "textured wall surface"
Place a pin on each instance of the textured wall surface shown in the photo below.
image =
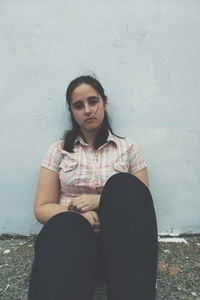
(145, 53)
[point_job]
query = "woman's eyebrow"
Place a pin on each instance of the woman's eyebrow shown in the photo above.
(92, 97)
(89, 98)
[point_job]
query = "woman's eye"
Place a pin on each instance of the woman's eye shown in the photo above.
(78, 106)
(93, 102)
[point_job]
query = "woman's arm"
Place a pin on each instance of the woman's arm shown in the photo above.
(143, 176)
(47, 196)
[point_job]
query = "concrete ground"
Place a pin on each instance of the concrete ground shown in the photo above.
(178, 268)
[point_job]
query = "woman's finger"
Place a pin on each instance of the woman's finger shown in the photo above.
(85, 208)
(69, 204)
(80, 204)
(95, 216)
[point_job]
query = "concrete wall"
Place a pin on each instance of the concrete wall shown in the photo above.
(145, 53)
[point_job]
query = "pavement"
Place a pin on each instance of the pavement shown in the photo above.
(178, 268)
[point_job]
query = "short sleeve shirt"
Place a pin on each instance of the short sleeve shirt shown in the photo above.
(86, 170)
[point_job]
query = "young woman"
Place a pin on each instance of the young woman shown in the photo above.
(97, 210)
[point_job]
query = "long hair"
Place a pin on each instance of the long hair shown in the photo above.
(71, 135)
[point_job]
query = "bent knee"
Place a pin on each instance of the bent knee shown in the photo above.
(70, 225)
(67, 221)
(122, 179)
(122, 187)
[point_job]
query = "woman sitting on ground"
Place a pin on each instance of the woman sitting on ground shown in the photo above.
(97, 210)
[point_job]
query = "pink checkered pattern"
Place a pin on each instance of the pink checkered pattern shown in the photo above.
(86, 170)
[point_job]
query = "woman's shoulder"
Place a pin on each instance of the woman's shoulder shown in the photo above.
(56, 148)
(58, 144)
(53, 156)
(126, 142)
(131, 143)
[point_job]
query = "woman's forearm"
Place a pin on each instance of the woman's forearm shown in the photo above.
(44, 212)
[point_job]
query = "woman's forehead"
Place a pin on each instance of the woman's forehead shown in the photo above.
(83, 91)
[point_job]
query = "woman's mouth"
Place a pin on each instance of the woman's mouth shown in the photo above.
(90, 119)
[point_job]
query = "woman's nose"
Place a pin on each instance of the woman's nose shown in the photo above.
(87, 109)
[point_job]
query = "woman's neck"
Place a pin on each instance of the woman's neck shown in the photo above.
(89, 137)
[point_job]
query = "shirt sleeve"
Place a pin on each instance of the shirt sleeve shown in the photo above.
(136, 160)
(53, 157)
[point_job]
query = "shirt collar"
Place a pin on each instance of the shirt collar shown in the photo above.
(110, 138)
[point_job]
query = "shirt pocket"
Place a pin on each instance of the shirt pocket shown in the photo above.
(68, 171)
(121, 166)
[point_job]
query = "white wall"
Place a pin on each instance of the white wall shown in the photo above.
(145, 53)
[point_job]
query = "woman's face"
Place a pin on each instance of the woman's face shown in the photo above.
(87, 107)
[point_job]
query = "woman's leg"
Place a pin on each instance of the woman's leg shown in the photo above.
(65, 258)
(129, 232)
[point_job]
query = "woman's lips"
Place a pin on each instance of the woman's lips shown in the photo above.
(90, 119)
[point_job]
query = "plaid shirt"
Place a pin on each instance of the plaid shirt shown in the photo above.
(86, 170)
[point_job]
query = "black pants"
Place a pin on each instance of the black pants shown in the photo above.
(69, 255)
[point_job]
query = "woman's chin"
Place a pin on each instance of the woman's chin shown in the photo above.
(91, 128)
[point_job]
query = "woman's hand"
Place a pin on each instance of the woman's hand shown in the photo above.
(93, 218)
(84, 203)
